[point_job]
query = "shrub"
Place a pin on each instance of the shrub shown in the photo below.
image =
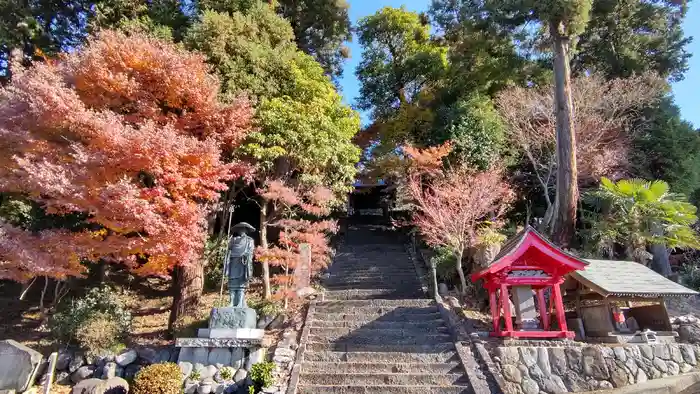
(99, 333)
(261, 375)
(158, 379)
(690, 276)
(227, 373)
(214, 255)
(97, 304)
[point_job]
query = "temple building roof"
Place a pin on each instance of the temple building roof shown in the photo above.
(627, 279)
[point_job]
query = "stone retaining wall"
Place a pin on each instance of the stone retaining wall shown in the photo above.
(535, 369)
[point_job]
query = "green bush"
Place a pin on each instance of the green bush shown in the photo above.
(690, 276)
(99, 334)
(97, 305)
(214, 255)
(158, 379)
(261, 375)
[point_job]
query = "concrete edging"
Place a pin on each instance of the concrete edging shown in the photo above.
(299, 357)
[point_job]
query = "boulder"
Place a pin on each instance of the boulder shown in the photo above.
(553, 385)
(64, 358)
(131, 370)
(62, 378)
(185, 368)
(647, 351)
(557, 361)
(528, 355)
(594, 363)
(76, 362)
(543, 360)
(574, 358)
(685, 368)
(149, 355)
(688, 354)
(689, 333)
(165, 355)
(676, 355)
(99, 386)
(126, 357)
(618, 373)
(641, 376)
(673, 368)
(109, 370)
(208, 372)
(529, 386)
(191, 387)
(18, 365)
(508, 354)
(204, 389)
(511, 373)
(661, 365)
(84, 372)
(240, 377)
(620, 353)
(662, 351)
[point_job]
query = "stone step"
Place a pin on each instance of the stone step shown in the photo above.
(372, 379)
(378, 324)
(404, 315)
(360, 337)
(363, 303)
(371, 331)
(375, 367)
(361, 310)
(448, 356)
(371, 294)
(350, 278)
(323, 389)
(385, 347)
(413, 285)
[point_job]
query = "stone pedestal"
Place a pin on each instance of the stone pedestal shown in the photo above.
(230, 318)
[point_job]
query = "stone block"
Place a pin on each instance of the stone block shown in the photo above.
(594, 363)
(508, 354)
(557, 361)
(662, 351)
(574, 359)
(18, 365)
(511, 373)
(673, 368)
(620, 353)
(186, 368)
(220, 356)
(529, 386)
(688, 354)
(543, 360)
(186, 355)
(217, 342)
(84, 372)
(200, 355)
(233, 318)
(528, 355)
(237, 357)
(257, 355)
(242, 333)
(676, 355)
(126, 357)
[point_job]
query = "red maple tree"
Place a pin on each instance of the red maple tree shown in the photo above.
(127, 131)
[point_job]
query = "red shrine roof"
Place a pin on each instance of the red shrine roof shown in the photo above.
(531, 250)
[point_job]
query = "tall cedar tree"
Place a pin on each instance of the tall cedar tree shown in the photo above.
(128, 133)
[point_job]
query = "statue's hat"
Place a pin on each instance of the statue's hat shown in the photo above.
(243, 226)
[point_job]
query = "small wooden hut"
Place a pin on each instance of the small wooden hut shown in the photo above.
(617, 300)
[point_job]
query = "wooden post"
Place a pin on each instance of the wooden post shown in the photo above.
(53, 358)
(495, 315)
(505, 302)
(542, 305)
(561, 317)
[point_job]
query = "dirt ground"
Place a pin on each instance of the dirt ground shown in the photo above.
(149, 301)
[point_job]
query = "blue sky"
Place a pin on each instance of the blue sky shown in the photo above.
(683, 90)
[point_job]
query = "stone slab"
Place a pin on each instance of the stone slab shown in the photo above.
(18, 365)
(233, 333)
(233, 318)
(217, 342)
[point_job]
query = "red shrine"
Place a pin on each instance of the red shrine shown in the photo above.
(528, 263)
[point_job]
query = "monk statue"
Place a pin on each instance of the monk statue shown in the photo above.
(238, 265)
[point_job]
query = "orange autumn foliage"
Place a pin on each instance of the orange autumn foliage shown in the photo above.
(129, 132)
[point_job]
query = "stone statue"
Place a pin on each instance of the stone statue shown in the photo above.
(238, 265)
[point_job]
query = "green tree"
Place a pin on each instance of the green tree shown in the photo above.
(321, 27)
(399, 60)
(625, 37)
(640, 214)
(668, 149)
(304, 135)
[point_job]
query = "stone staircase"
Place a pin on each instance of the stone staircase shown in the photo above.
(375, 332)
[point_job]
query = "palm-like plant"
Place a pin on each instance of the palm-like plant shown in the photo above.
(637, 213)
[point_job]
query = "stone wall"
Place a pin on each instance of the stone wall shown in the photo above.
(549, 369)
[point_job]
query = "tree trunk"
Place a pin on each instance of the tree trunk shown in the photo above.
(567, 176)
(460, 271)
(188, 284)
(660, 262)
(267, 293)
